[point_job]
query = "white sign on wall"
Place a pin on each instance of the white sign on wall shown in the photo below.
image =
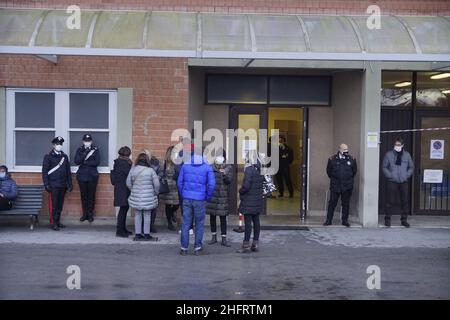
(372, 140)
(437, 149)
(432, 176)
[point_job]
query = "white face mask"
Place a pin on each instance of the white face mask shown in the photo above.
(58, 147)
(2, 175)
(87, 144)
(398, 148)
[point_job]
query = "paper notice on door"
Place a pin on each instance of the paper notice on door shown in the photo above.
(372, 140)
(432, 176)
(437, 149)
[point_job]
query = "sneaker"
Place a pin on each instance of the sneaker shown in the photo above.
(138, 237)
(346, 224)
(148, 237)
(191, 232)
(405, 224)
(183, 252)
(199, 252)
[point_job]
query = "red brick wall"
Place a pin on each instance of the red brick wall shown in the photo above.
(160, 95)
(402, 7)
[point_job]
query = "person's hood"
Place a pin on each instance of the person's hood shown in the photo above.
(197, 160)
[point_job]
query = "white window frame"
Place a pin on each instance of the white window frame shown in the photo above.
(62, 125)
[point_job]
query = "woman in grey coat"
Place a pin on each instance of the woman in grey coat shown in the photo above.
(218, 204)
(144, 185)
(171, 199)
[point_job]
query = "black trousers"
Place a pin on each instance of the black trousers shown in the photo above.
(248, 220)
(87, 191)
(122, 218)
(5, 204)
(345, 201)
(56, 204)
(284, 175)
(170, 212)
(397, 191)
(223, 224)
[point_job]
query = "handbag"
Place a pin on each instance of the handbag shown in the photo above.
(268, 186)
(163, 184)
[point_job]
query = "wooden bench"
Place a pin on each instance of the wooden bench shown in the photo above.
(28, 203)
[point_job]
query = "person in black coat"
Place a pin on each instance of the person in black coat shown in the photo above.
(119, 174)
(341, 169)
(284, 174)
(57, 180)
(251, 205)
(87, 158)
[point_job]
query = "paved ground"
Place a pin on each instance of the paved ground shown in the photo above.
(323, 263)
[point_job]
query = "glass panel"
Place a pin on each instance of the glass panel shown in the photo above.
(289, 122)
(331, 34)
(119, 30)
(435, 155)
(35, 110)
(278, 33)
(392, 37)
(396, 88)
(225, 32)
(246, 140)
(172, 30)
(17, 26)
(100, 139)
(432, 33)
(300, 90)
(236, 89)
(89, 110)
(54, 31)
(433, 92)
(31, 146)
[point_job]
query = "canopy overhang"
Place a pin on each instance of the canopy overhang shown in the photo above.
(223, 36)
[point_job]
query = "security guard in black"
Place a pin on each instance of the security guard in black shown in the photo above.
(57, 180)
(87, 158)
(341, 169)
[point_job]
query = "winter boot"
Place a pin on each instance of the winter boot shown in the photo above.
(225, 242)
(255, 247)
(245, 247)
(83, 217)
(213, 239)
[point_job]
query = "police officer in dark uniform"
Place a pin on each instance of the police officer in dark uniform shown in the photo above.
(87, 158)
(341, 170)
(57, 180)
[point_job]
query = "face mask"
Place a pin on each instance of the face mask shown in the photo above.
(2, 175)
(219, 160)
(87, 144)
(398, 148)
(58, 147)
(345, 153)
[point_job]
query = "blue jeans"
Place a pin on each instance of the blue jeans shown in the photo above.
(193, 209)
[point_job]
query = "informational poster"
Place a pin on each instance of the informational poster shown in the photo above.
(432, 176)
(372, 140)
(437, 149)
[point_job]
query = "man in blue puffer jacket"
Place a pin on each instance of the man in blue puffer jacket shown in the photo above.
(8, 189)
(196, 185)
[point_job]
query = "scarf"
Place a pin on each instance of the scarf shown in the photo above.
(398, 162)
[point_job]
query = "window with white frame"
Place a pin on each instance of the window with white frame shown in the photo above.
(36, 116)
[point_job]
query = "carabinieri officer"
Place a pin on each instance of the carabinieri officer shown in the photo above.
(57, 180)
(88, 159)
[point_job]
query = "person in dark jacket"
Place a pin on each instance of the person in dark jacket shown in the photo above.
(284, 174)
(218, 204)
(8, 189)
(196, 184)
(122, 166)
(398, 168)
(87, 158)
(341, 169)
(57, 180)
(171, 199)
(251, 205)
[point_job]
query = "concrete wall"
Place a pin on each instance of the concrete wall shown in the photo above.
(346, 100)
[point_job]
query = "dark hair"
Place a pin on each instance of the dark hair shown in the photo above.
(124, 151)
(143, 160)
(4, 167)
(284, 139)
(398, 139)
